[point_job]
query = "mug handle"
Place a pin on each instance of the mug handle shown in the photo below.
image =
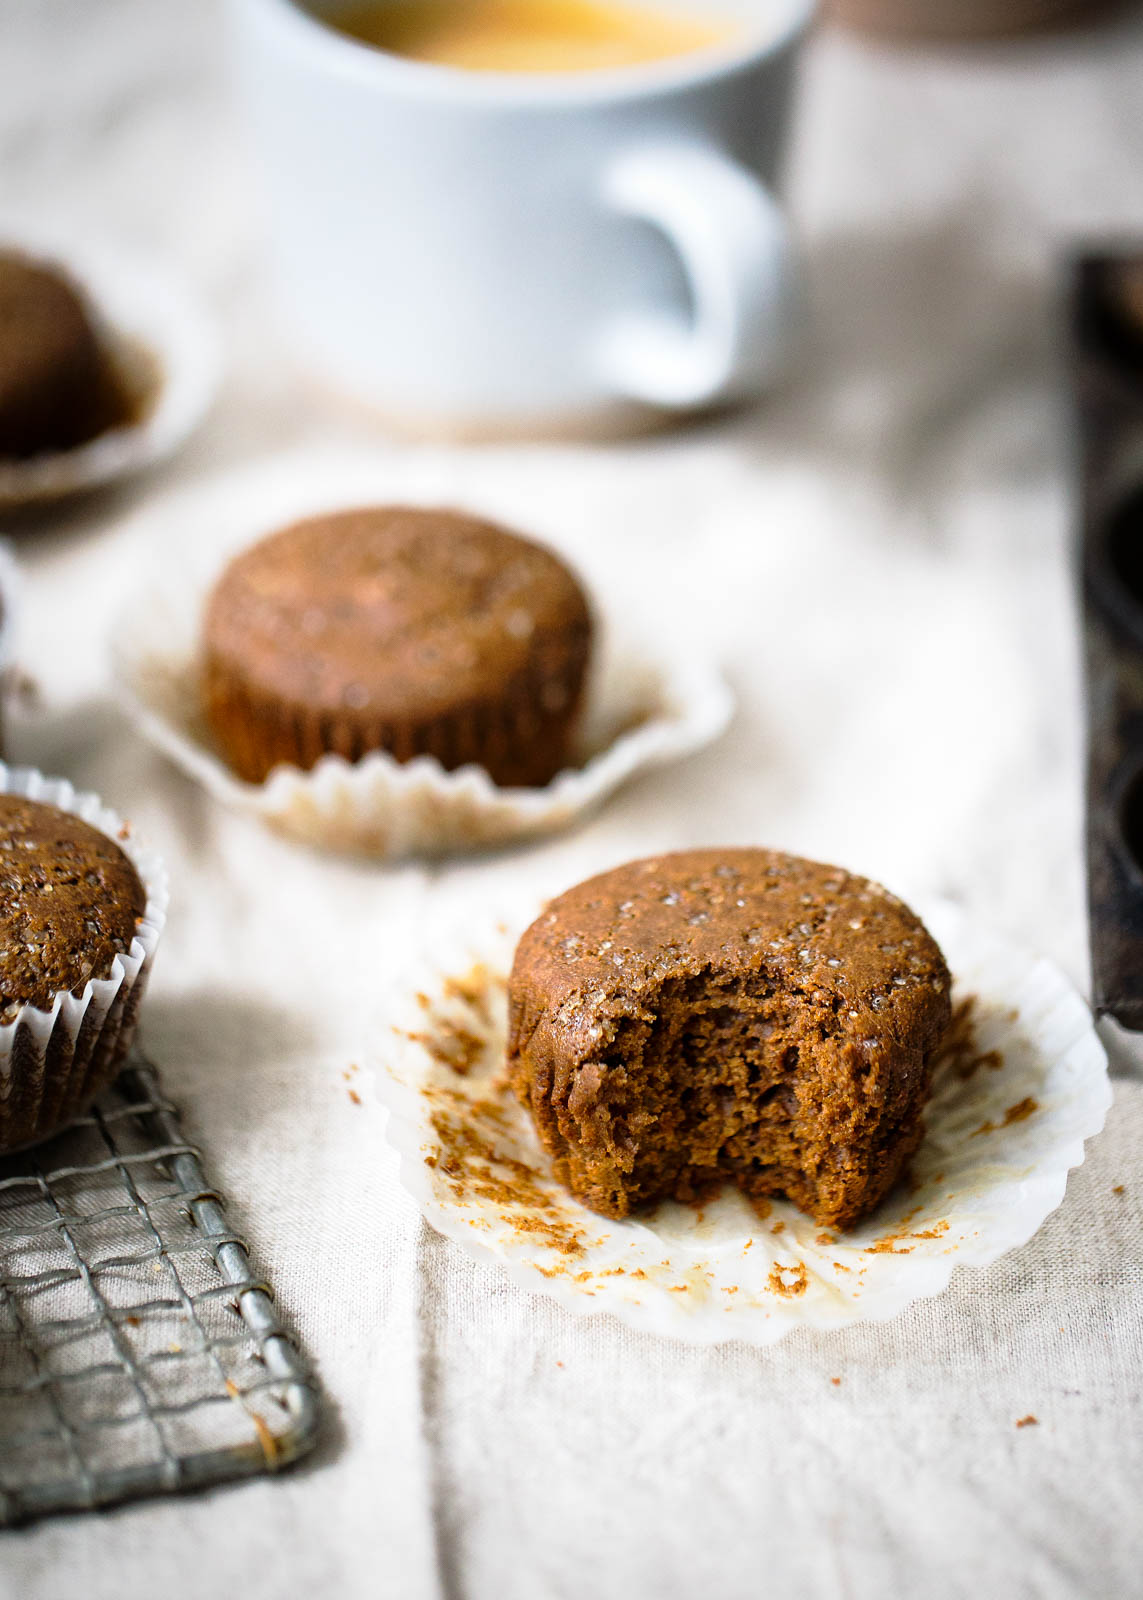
(737, 255)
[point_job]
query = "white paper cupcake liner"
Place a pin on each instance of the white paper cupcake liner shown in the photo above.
(1000, 1141)
(164, 351)
(647, 704)
(54, 1062)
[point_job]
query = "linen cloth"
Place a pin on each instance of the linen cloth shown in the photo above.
(881, 552)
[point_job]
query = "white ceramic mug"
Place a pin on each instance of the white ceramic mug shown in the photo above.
(481, 252)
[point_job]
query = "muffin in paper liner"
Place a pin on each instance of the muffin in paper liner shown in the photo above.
(645, 705)
(163, 354)
(1020, 1085)
(54, 1062)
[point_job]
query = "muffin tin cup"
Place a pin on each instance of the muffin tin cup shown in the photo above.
(955, 19)
(999, 1143)
(54, 1061)
(164, 355)
(647, 702)
(9, 614)
(1107, 380)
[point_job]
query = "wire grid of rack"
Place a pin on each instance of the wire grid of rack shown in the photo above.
(139, 1352)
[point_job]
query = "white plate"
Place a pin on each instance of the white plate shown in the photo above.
(994, 1164)
(162, 343)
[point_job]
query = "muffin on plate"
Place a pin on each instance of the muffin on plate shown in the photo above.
(79, 922)
(56, 387)
(727, 1016)
(416, 632)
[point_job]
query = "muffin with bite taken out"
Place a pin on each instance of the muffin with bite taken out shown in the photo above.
(728, 1016)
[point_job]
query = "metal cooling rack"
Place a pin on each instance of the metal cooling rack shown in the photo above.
(139, 1352)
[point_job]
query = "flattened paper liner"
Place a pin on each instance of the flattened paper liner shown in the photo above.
(647, 704)
(165, 356)
(54, 1061)
(1008, 1120)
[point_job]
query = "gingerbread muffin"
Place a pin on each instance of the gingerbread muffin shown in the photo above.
(411, 631)
(735, 1016)
(72, 908)
(55, 389)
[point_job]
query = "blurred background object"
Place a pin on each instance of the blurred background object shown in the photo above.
(952, 19)
(637, 265)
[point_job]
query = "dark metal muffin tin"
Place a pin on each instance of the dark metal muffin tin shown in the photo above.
(1108, 322)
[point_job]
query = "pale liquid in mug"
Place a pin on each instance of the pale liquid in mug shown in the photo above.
(526, 35)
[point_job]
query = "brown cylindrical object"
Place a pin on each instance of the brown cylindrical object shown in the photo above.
(727, 1016)
(959, 19)
(420, 633)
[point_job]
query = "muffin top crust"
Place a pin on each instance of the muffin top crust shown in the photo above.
(392, 611)
(70, 902)
(845, 945)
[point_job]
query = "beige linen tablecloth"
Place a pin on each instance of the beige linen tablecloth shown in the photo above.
(881, 553)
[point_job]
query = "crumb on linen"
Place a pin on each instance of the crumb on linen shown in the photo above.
(788, 1281)
(836, 1382)
(1119, 1189)
(559, 1364)
(125, 831)
(355, 1097)
(824, 1239)
(779, 1227)
(1028, 1422)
